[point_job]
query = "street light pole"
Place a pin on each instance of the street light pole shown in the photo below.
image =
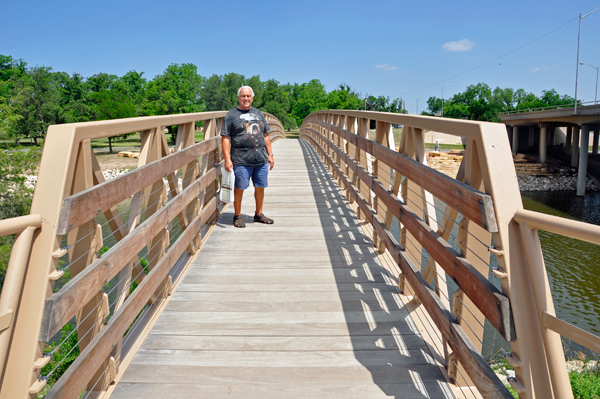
(443, 98)
(418, 104)
(596, 68)
(578, 42)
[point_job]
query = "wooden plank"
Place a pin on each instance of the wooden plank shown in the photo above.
(472, 203)
(477, 368)
(275, 391)
(344, 336)
(273, 329)
(62, 305)
(233, 375)
(74, 380)
(488, 299)
(389, 298)
(85, 205)
(289, 344)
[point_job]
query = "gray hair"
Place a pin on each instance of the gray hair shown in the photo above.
(245, 87)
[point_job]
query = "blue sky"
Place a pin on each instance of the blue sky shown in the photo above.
(407, 49)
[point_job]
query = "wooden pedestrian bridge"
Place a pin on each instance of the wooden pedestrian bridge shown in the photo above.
(380, 277)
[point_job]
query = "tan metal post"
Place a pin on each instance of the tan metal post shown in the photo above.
(561, 384)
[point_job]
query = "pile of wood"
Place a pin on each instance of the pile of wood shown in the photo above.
(130, 154)
(136, 154)
(445, 162)
(526, 166)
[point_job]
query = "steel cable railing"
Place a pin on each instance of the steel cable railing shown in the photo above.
(386, 177)
(86, 237)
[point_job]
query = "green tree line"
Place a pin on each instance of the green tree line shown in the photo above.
(480, 103)
(33, 98)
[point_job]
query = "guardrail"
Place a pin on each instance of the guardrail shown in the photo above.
(560, 106)
(107, 253)
(469, 269)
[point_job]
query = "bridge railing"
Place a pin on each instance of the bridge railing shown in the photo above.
(462, 259)
(106, 254)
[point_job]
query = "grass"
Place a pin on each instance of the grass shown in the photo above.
(132, 140)
(431, 146)
(585, 385)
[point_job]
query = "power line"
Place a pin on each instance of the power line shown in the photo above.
(490, 61)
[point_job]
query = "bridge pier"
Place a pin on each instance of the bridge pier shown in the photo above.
(568, 140)
(543, 143)
(575, 147)
(583, 160)
(595, 141)
(515, 139)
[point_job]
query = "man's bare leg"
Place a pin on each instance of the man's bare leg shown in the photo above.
(237, 200)
(259, 197)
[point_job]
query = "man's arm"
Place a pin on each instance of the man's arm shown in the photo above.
(226, 145)
(269, 151)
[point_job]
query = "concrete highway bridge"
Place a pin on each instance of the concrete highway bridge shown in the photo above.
(380, 277)
(540, 127)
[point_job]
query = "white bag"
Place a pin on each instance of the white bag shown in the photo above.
(227, 184)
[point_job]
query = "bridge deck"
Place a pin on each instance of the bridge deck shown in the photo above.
(302, 308)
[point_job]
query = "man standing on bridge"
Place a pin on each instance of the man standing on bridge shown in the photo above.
(247, 151)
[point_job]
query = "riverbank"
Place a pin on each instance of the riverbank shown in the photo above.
(552, 183)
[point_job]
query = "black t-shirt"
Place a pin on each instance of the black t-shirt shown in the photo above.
(246, 129)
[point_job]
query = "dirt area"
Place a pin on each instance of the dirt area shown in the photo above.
(114, 161)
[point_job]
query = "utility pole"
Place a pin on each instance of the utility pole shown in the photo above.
(578, 42)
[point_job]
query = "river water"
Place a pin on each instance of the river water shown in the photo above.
(573, 266)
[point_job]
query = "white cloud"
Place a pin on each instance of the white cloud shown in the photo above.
(461, 45)
(537, 69)
(386, 67)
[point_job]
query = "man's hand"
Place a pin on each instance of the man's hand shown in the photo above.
(226, 145)
(271, 162)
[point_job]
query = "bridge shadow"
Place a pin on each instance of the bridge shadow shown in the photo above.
(383, 336)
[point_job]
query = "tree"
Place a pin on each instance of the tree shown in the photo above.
(74, 98)
(111, 97)
(277, 102)
(11, 97)
(311, 97)
(176, 91)
(220, 92)
(15, 196)
(135, 86)
(41, 105)
(343, 98)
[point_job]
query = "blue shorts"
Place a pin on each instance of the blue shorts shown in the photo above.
(258, 173)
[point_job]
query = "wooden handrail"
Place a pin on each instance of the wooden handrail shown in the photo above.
(74, 380)
(477, 368)
(64, 304)
(473, 204)
(87, 204)
(488, 299)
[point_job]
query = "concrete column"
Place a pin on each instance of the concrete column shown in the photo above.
(531, 135)
(515, 140)
(575, 147)
(569, 140)
(595, 142)
(583, 160)
(543, 143)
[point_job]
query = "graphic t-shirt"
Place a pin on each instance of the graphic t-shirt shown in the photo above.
(246, 129)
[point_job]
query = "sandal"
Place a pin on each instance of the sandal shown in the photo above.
(262, 219)
(238, 221)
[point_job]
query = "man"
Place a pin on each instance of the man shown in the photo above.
(247, 151)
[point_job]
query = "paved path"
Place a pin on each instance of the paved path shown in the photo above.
(298, 309)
